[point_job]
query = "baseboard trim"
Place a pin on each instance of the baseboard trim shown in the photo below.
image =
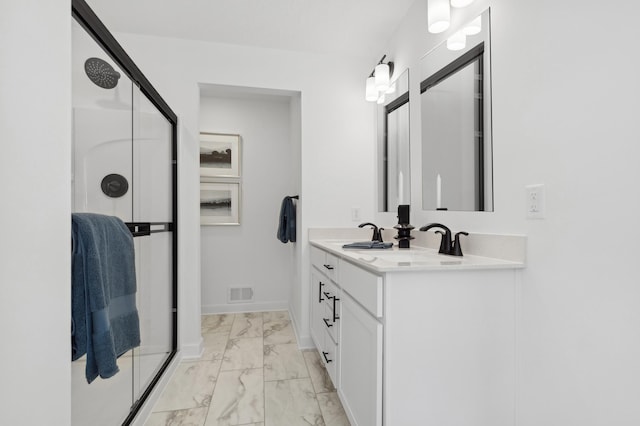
(237, 308)
(193, 351)
(304, 341)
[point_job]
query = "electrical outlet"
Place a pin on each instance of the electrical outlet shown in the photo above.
(355, 214)
(535, 199)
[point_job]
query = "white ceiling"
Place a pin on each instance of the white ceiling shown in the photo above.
(351, 27)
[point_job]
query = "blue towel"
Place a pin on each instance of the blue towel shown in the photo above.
(105, 321)
(287, 222)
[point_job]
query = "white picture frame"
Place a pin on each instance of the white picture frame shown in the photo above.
(220, 155)
(219, 203)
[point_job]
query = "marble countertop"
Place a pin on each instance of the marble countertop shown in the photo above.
(413, 259)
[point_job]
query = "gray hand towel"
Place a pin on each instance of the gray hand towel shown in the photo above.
(287, 222)
(368, 245)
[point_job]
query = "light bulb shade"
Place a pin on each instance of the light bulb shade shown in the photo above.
(438, 15)
(381, 99)
(382, 77)
(457, 41)
(473, 27)
(461, 3)
(371, 93)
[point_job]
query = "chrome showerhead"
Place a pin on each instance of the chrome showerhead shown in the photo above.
(101, 73)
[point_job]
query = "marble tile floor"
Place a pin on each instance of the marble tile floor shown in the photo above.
(252, 374)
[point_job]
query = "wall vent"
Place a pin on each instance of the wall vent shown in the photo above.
(240, 294)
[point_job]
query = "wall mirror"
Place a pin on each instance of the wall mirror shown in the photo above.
(393, 147)
(455, 100)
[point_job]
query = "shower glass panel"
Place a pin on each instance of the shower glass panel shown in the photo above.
(123, 165)
(102, 123)
(152, 177)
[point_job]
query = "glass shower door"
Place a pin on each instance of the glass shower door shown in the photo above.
(152, 159)
(102, 172)
(124, 165)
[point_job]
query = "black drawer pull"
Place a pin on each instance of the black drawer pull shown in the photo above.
(335, 316)
(327, 360)
(329, 267)
(320, 299)
(326, 322)
(328, 295)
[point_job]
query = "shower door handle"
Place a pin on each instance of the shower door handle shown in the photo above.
(139, 229)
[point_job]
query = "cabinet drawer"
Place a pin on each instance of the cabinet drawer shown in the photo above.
(330, 295)
(329, 356)
(325, 262)
(330, 320)
(329, 291)
(363, 286)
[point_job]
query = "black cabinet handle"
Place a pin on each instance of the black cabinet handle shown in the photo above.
(320, 299)
(327, 360)
(335, 316)
(328, 295)
(326, 322)
(329, 267)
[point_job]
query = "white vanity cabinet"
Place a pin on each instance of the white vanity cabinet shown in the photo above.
(421, 346)
(348, 334)
(325, 309)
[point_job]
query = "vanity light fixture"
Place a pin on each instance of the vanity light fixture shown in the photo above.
(371, 94)
(474, 27)
(382, 77)
(457, 41)
(378, 82)
(461, 3)
(439, 15)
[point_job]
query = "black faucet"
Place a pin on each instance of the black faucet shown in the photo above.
(377, 232)
(404, 227)
(446, 246)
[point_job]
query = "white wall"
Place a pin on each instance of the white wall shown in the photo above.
(565, 106)
(35, 128)
(336, 150)
(263, 122)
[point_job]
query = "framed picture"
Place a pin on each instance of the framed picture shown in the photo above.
(220, 203)
(220, 155)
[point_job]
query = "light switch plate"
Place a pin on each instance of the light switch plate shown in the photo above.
(355, 214)
(535, 201)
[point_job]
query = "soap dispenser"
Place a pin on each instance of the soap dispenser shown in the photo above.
(404, 227)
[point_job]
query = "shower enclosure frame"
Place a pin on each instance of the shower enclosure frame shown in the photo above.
(83, 14)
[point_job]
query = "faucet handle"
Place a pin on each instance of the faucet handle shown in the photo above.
(376, 231)
(456, 249)
(444, 244)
